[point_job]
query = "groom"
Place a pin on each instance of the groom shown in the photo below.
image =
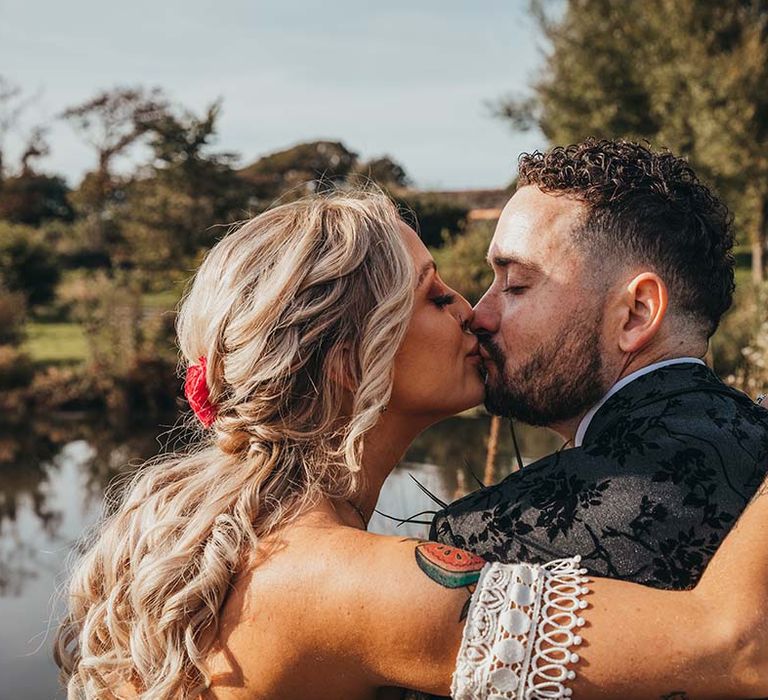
(612, 268)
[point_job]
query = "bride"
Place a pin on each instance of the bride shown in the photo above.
(320, 341)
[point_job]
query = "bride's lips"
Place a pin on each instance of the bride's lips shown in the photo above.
(475, 354)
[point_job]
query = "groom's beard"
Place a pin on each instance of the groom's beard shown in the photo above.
(558, 382)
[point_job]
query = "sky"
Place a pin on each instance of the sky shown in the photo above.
(411, 79)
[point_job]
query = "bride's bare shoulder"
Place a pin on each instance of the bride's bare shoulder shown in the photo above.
(348, 604)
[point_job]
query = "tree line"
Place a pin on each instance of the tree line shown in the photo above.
(690, 75)
(100, 254)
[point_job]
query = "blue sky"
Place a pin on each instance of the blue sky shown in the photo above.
(408, 79)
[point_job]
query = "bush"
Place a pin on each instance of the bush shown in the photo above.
(751, 373)
(109, 309)
(66, 388)
(13, 315)
(32, 198)
(437, 219)
(16, 368)
(462, 264)
(737, 328)
(27, 264)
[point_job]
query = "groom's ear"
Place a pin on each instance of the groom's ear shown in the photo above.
(643, 307)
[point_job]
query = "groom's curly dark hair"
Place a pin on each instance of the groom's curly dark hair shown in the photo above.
(647, 207)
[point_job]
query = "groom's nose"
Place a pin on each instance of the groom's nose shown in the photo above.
(486, 316)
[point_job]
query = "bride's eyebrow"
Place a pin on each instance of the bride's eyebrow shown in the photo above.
(425, 270)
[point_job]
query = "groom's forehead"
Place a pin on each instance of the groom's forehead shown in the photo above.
(535, 224)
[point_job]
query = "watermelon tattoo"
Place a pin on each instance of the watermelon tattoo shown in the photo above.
(450, 567)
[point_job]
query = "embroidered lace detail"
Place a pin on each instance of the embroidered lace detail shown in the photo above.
(519, 632)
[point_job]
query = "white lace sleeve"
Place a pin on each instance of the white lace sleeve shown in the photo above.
(520, 629)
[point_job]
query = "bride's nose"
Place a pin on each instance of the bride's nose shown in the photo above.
(465, 314)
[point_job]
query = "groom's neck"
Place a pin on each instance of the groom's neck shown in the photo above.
(669, 351)
(567, 429)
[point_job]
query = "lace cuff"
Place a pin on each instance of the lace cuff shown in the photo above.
(519, 632)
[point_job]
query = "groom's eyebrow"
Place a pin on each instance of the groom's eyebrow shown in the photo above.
(504, 261)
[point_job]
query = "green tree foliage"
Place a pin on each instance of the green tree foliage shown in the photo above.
(177, 204)
(27, 265)
(13, 314)
(303, 168)
(12, 104)
(685, 74)
(110, 123)
(15, 365)
(437, 218)
(32, 199)
(462, 264)
(385, 172)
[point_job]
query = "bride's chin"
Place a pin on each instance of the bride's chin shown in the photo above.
(474, 397)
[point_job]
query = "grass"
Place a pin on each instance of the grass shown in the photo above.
(56, 343)
(161, 301)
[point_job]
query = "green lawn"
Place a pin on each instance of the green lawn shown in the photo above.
(63, 343)
(55, 343)
(161, 301)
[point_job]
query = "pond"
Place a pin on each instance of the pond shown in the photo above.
(52, 480)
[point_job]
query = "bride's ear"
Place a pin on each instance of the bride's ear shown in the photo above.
(644, 305)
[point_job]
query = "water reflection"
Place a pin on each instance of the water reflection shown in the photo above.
(52, 480)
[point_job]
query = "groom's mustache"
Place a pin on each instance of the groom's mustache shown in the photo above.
(493, 351)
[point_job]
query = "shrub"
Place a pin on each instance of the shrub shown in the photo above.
(437, 219)
(462, 264)
(16, 369)
(27, 264)
(13, 314)
(751, 373)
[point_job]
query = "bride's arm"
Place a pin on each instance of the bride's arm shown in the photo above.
(638, 642)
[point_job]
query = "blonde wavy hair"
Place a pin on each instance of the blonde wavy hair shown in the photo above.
(299, 312)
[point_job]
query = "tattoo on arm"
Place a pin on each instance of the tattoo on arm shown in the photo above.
(675, 695)
(450, 567)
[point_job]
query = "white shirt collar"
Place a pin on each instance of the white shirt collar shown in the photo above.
(581, 431)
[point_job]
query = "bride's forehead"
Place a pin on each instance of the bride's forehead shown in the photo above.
(415, 245)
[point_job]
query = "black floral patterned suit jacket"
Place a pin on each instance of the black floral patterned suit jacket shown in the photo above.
(667, 465)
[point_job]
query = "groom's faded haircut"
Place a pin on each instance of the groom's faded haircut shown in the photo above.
(645, 207)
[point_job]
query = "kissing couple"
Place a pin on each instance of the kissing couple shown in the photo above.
(320, 340)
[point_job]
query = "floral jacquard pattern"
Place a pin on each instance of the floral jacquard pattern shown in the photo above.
(666, 467)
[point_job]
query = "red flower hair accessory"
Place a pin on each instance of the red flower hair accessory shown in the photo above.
(196, 391)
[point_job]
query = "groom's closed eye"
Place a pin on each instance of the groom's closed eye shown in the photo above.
(515, 289)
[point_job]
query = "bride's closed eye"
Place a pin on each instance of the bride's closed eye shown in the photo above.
(443, 300)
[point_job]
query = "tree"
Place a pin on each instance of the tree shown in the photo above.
(384, 171)
(173, 207)
(110, 122)
(11, 107)
(684, 74)
(27, 266)
(303, 168)
(437, 218)
(462, 262)
(34, 198)
(15, 364)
